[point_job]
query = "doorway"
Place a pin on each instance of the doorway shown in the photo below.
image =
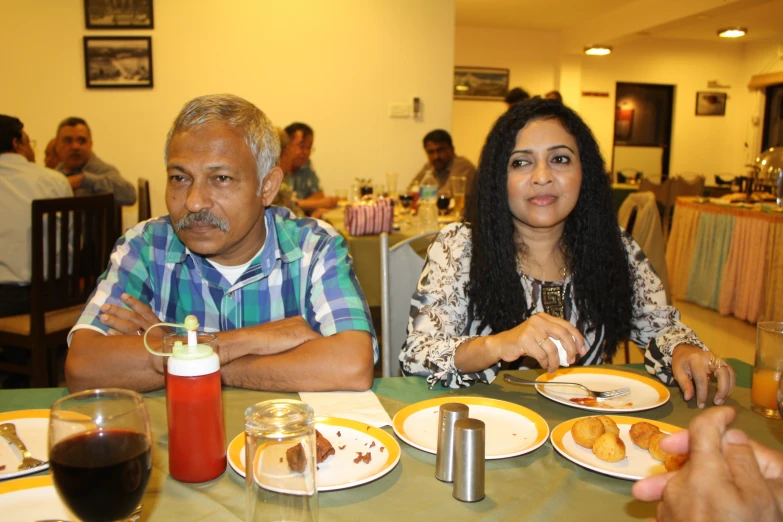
(642, 132)
(773, 118)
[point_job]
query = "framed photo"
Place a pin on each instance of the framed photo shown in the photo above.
(118, 14)
(480, 83)
(710, 103)
(118, 61)
(623, 124)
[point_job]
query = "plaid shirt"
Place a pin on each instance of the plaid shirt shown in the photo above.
(303, 269)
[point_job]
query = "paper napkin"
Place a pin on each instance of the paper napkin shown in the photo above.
(359, 406)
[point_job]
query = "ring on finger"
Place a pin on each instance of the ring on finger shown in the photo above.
(140, 331)
(539, 342)
(715, 364)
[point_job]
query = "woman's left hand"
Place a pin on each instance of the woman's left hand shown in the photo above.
(691, 369)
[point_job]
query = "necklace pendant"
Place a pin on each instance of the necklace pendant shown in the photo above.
(553, 297)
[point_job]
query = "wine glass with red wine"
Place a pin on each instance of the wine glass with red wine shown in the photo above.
(406, 199)
(443, 203)
(100, 453)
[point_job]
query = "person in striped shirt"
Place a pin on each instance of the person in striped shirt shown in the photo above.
(279, 292)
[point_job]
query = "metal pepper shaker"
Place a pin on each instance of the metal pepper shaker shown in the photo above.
(469, 437)
(450, 413)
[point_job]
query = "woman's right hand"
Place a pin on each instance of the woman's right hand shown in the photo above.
(532, 338)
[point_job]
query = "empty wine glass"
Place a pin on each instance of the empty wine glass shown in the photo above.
(100, 453)
(443, 203)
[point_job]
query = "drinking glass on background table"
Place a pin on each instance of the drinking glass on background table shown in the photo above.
(406, 200)
(391, 184)
(444, 200)
(458, 188)
(280, 459)
(99, 452)
(767, 369)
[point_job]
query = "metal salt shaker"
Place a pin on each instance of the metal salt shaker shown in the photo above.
(469, 436)
(450, 413)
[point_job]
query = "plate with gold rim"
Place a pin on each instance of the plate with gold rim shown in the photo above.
(32, 498)
(32, 427)
(339, 471)
(646, 393)
(511, 429)
(638, 462)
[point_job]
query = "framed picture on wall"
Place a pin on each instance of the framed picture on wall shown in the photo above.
(480, 83)
(113, 14)
(710, 103)
(118, 61)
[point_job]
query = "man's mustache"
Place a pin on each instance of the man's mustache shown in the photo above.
(204, 216)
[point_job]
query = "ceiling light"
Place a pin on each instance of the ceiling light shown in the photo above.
(732, 32)
(598, 50)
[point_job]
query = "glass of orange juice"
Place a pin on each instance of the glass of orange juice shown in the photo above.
(767, 369)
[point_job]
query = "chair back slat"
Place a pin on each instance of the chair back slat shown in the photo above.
(78, 235)
(145, 209)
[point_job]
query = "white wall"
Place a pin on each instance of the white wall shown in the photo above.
(335, 65)
(531, 57)
(700, 144)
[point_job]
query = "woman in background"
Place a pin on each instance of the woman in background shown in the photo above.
(539, 258)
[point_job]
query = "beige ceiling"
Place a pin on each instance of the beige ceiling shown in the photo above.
(531, 14)
(610, 21)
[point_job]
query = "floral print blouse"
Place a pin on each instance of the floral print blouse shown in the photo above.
(440, 319)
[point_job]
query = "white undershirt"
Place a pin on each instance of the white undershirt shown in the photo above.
(233, 273)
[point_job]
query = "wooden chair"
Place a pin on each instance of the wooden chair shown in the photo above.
(72, 239)
(145, 210)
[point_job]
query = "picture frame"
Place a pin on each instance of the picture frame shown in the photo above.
(711, 103)
(480, 83)
(110, 14)
(117, 62)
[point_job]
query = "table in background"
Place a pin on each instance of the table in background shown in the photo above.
(540, 486)
(727, 258)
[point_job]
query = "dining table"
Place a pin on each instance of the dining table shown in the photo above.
(537, 486)
(728, 257)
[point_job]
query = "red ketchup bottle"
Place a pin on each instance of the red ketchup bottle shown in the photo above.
(197, 441)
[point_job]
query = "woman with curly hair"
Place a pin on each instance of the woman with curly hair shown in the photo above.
(540, 260)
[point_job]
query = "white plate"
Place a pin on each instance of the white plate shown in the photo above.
(32, 498)
(646, 393)
(339, 471)
(638, 463)
(510, 430)
(32, 426)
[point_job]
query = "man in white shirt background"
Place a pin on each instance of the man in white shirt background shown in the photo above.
(21, 181)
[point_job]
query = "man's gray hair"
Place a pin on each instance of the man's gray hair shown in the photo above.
(239, 114)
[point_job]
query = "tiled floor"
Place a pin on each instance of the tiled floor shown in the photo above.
(726, 336)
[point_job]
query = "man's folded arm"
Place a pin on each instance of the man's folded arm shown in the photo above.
(343, 361)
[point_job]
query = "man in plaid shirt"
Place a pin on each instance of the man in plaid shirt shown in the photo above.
(279, 292)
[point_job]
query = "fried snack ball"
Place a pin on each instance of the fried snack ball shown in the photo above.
(675, 462)
(640, 433)
(609, 448)
(586, 431)
(610, 426)
(655, 449)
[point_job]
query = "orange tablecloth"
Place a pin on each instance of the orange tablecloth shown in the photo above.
(727, 258)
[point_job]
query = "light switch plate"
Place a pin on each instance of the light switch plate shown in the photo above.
(400, 110)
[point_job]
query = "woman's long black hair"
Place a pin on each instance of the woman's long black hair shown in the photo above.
(594, 251)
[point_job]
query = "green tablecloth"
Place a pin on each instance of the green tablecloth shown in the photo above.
(540, 486)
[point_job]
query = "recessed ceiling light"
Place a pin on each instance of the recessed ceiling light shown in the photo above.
(598, 50)
(732, 32)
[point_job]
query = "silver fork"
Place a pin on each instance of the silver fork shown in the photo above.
(611, 394)
(8, 431)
